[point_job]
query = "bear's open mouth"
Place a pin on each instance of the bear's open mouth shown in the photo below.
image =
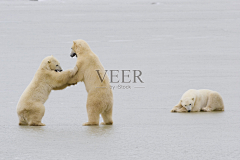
(73, 54)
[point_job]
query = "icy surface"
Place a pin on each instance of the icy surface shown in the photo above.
(177, 44)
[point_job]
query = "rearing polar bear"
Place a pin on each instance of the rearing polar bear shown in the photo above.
(100, 96)
(199, 100)
(30, 108)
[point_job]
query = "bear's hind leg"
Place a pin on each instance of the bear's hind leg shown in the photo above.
(93, 116)
(22, 121)
(35, 120)
(35, 116)
(93, 119)
(107, 117)
(36, 124)
(215, 102)
(207, 109)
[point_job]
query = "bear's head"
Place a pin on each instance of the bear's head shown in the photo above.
(51, 63)
(188, 103)
(79, 47)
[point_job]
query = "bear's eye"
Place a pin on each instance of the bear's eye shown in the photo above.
(56, 65)
(190, 104)
(185, 105)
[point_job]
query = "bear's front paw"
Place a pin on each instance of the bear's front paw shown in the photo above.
(182, 110)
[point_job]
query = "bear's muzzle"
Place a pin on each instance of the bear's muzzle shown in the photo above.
(73, 54)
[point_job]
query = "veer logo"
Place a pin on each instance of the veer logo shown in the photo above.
(125, 76)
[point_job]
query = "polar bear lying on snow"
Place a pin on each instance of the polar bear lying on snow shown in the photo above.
(199, 100)
(30, 108)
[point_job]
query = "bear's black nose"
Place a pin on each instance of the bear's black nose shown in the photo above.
(189, 110)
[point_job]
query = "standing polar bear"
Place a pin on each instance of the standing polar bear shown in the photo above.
(199, 100)
(92, 73)
(30, 108)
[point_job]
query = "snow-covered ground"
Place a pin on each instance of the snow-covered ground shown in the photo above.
(177, 44)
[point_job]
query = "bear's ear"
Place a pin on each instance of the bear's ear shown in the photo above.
(49, 61)
(192, 98)
(74, 42)
(180, 100)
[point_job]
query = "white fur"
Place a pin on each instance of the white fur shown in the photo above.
(100, 97)
(199, 100)
(30, 107)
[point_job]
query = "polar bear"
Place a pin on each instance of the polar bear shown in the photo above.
(199, 100)
(92, 73)
(30, 108)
